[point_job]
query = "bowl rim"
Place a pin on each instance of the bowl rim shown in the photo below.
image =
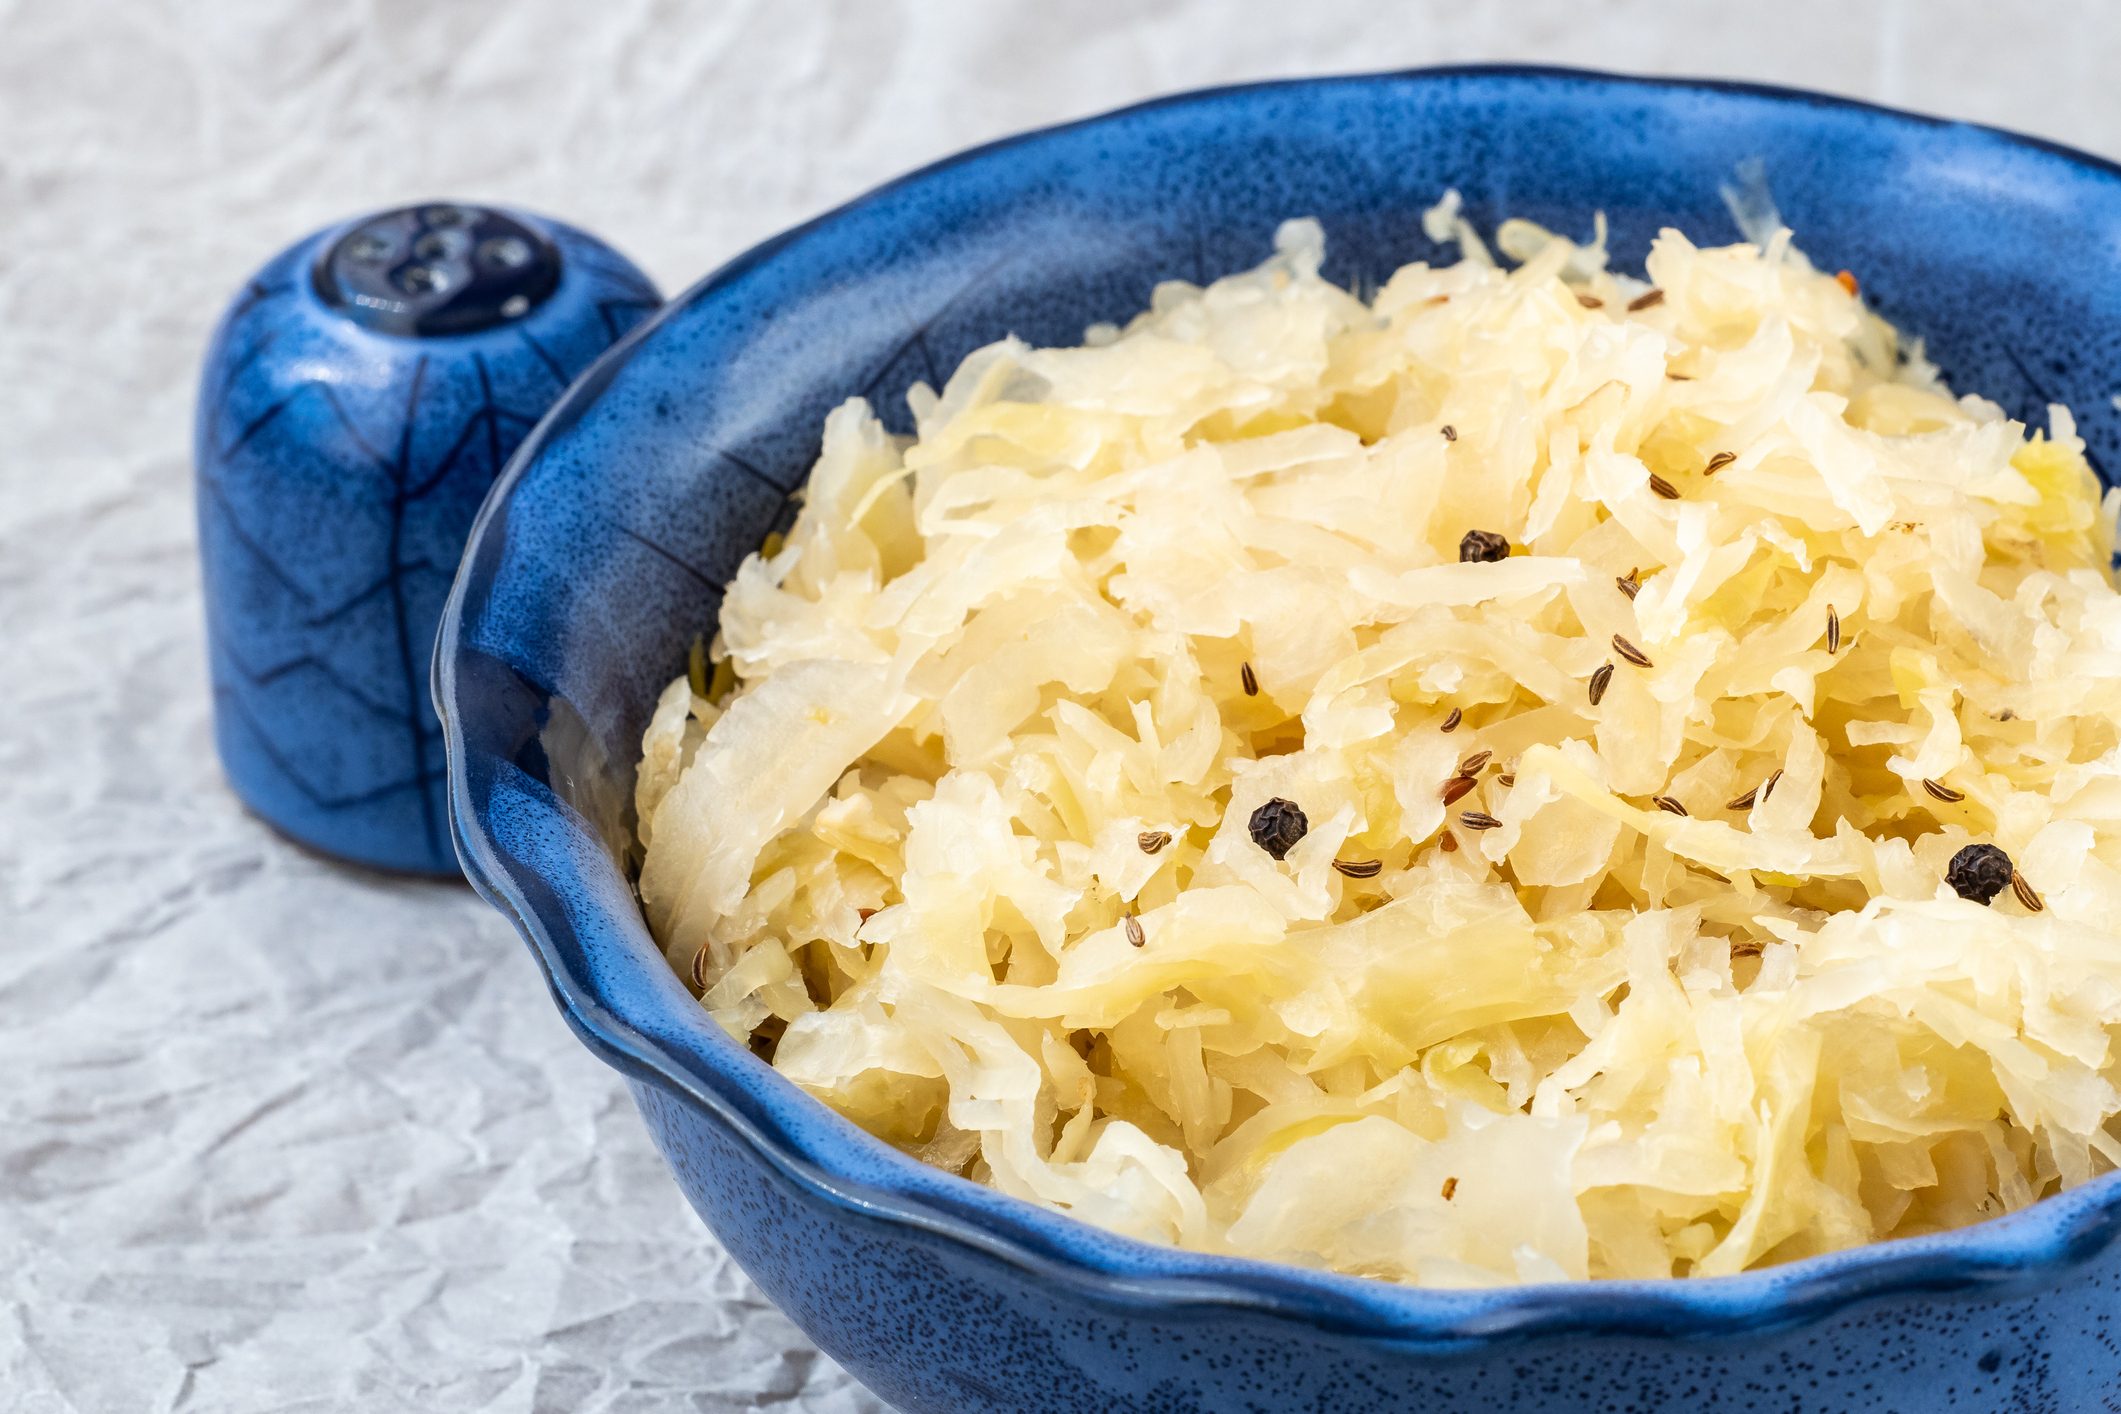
(1998, 1257)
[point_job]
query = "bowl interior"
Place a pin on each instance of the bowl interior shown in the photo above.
(598, 559)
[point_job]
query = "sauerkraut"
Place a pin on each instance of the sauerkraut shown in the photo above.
(1605, 924)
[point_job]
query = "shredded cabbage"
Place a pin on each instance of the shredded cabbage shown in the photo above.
(1675, 984)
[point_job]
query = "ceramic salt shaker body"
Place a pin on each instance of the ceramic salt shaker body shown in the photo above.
(360, 396)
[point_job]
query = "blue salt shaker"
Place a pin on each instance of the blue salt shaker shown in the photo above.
(360, 396)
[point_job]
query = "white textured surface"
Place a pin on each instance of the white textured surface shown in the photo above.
(278, 1135)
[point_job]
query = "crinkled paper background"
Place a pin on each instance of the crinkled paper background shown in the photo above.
(276, 1134)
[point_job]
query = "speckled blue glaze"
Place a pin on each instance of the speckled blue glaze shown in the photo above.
(339, 470)
(597, 561)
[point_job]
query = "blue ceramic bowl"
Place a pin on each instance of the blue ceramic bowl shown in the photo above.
(598, 557)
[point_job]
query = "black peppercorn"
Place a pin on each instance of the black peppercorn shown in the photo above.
(1979, 872)
(1279, 824)
(1482, 547)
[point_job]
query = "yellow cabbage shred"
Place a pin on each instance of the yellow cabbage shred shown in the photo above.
(966, 848)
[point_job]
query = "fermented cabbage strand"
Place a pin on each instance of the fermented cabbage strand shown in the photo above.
(959, 836)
